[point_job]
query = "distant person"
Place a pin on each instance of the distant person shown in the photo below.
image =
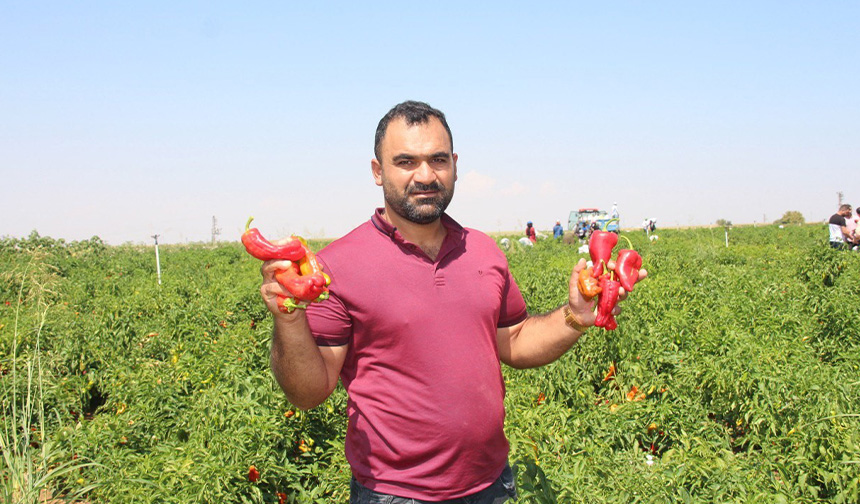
(857, 225)
(595, 226)
(581, 230)
(557, 230)
(614, 212)
(851, 225)
(649, 226)
(840, 236)
(531, 234)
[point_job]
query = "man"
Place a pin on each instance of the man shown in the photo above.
(839, 233)
(421, 313)
(557, 230)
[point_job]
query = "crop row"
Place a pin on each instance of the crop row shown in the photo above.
(734, 376)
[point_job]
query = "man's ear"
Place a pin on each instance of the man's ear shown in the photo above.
(454, 157)
(376, 170)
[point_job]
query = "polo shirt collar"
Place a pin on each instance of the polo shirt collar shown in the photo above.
(453, 237)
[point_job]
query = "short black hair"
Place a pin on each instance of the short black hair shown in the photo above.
(414, 112)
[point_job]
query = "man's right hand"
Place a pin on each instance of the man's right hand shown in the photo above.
(273, 293)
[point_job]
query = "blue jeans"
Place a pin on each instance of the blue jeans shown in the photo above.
(501, 490)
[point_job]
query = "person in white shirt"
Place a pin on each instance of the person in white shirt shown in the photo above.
(840, 236)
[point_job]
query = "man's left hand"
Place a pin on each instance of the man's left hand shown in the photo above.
(584, 311)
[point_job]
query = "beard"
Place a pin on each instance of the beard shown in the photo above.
(421, 210)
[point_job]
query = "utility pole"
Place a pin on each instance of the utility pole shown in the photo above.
(839, 194)
(157, 261)
(215, 229)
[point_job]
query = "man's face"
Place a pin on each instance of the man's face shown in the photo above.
(417, 170)
(846, 212)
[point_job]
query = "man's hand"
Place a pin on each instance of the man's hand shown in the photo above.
(583, 310)
(273, 293)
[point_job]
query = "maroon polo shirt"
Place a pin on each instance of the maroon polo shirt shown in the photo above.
(426, 393)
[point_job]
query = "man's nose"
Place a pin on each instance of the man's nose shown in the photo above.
(425, 173)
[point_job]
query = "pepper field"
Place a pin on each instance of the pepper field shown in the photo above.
(736, 378)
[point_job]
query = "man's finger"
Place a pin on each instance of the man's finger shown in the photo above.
(269, 267)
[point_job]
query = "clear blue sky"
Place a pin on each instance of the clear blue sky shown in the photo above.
(126, 119)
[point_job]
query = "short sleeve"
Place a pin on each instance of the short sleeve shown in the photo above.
(329, 321)
(837, 220)
(513, 309)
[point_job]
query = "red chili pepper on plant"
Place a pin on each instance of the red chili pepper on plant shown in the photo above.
(627, 268)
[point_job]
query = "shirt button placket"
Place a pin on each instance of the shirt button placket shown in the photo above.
(438, 276)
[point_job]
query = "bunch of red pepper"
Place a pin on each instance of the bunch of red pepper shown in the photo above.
(592, 281)
(304, 279)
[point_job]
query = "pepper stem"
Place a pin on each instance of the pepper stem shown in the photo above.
(607, 223)
(629, 243)
(290, 304)
(248, 224)
(608, 271)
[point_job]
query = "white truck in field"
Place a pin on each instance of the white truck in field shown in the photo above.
(584, 218)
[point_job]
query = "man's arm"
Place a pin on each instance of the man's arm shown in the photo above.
(307, 373)
(536, 341)
(541, 339)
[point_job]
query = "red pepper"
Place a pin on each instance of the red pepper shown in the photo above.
(304, 279)
(627, 268)
(304, 288)
(611, 324)
(600, 248)
(264, 250)
(607, 301)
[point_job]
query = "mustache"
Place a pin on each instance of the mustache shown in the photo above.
(419, 187)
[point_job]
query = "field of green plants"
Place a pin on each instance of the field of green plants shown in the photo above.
(734, 376)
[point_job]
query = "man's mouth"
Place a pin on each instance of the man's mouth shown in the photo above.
(430, 190)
